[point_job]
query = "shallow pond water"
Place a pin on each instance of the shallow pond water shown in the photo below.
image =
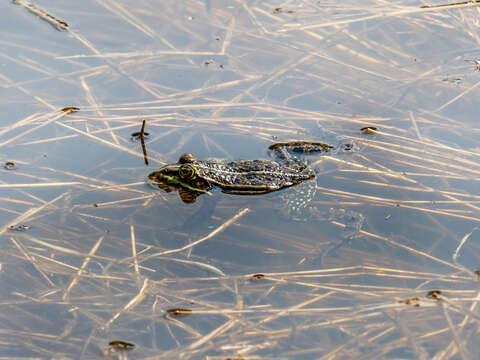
(97, 262)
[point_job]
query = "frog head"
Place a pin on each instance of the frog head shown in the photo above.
(182, 176)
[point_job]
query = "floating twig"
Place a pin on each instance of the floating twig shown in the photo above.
(258, 276)
(369, 130)
(57, 24)
(144, 148)
(70, 109)
(121, 345)
(461, 3)
(179, 311)
(117, 346)
(141, 135)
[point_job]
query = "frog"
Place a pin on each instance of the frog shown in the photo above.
(193, 177)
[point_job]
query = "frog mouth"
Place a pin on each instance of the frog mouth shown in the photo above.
(168, 180)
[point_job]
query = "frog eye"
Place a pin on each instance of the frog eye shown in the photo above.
(186, 172)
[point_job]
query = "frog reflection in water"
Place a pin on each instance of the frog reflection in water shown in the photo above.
(194, 177)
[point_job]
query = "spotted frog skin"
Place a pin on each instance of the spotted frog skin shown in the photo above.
(193, 177)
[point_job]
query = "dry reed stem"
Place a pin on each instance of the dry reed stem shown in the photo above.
(82, 268)
(32, 261)
(131, 304)
(218, 331)
(29, 213)
(12, 186)
(219, 229)
(134, 250)
(113, 145)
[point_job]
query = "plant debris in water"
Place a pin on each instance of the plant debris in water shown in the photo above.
(279, 10)
(71, 284)
(57, 24)
(70, 109)
(434, 294)
(453, 4)
(121, 345)
(412, 301)
(368, 129)
(141, 135)
(9, 165)
(477, 272)
(19, 227)
(179, 312)
(258, 276)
